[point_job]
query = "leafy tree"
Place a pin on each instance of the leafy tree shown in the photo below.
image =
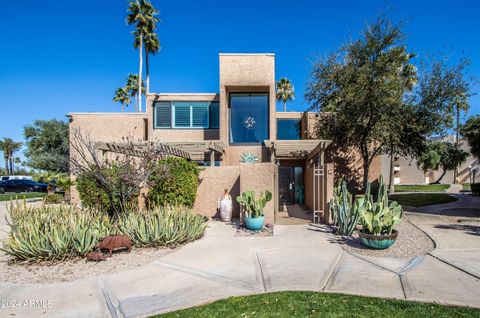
(362, 89)
(442, 154)
(9, 147)
(285, 92)
(122, 96)
(47, 145)
(142, 14)
(442, 95)
(471, 131)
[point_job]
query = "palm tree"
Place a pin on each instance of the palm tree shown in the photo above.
(9, 147)
(141, 13)
(285, 92)
(152, 45)
(132, 87)
(122, 96)
(17, 162)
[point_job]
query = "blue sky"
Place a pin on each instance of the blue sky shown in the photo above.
(69, 56)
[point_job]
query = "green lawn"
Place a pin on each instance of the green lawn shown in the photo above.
(20, 196)
(313, 304)
(422, 188)
(466, 187)
(422, 199)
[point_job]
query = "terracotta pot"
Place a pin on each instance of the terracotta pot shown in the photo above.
(378, 241)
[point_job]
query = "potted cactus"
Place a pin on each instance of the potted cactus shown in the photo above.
(253, 208)
(378, 219)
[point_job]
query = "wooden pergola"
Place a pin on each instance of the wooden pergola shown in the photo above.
(313, 151)
(164, 149)
(297, 149)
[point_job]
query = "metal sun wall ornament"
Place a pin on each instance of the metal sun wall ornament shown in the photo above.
(249, 122)
(248, 157)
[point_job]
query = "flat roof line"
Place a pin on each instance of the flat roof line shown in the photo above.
(184, 94)
(107, 113)
(269, 54)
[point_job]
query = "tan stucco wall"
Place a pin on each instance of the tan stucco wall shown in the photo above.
(213, 182)
(109, 126)
(233, 154)
(260, 177)
(106, 127)
(245, 73)
(289, 115)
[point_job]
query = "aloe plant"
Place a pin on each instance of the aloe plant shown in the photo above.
(254, 207)
(380, 217)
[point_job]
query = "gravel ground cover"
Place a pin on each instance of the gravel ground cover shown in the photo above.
(243, 231)
(411, 242)
(76, 269)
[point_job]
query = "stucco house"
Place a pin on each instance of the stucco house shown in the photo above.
(221, 130)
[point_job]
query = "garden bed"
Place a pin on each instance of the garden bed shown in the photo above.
(244, 232)
(48, 272)
(411, 242)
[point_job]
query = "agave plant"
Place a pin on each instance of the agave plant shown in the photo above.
(254, 207)
(39, 233)
(162, 226)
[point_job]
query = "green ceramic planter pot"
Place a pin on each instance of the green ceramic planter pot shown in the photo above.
(378, 242)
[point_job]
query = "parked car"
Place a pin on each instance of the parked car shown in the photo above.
(5, 178)
(24, 185)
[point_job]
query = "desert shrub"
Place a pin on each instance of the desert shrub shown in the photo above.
(39, 233)
(53, 198)
(162, 226)
(475, 187)
(113, 190)
(90, 193)
(174, 182)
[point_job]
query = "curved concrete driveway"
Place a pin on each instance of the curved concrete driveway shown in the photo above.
(298, 257)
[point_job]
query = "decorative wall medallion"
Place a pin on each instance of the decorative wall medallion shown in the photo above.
(248, 157)
(249, 122)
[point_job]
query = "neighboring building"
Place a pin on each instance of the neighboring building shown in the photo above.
(218, 130)
(406, 170)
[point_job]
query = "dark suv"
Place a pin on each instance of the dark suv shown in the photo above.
(22, 186)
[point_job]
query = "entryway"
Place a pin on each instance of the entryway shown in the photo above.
(291, 189)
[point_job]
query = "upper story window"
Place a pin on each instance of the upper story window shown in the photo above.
(186, 115)
(249, 117)
(288, 129)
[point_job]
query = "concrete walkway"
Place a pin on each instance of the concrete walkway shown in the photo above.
(455, 188)
(297, 257)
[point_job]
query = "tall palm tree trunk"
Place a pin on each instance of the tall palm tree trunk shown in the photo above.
(11, 166)
(147, 71)
(123, 107)
(7, 170)
(284, 106)
(140, 73)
